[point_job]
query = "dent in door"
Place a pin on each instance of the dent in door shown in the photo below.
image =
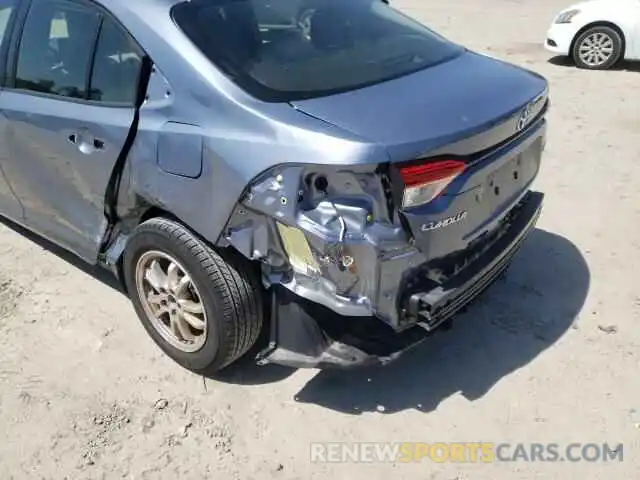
(60, 158)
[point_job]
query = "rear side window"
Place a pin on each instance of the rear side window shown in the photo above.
(284, 50)
(74, 50)
(56, 48)
(6, 9)
(117, 66)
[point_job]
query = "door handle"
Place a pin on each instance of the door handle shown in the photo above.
(98, 144)
(86, 142)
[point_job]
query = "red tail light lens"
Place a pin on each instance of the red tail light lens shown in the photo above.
(423, 183)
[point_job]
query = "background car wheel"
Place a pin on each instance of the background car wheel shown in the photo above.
(202, 307)
(598, 48)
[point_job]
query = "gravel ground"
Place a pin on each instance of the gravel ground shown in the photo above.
(550, 354)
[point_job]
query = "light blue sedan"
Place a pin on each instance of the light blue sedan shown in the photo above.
(344, 179)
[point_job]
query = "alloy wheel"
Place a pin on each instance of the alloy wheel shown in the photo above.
(171, 301)
(596, 49)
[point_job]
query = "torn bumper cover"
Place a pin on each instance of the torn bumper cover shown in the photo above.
(306, 334)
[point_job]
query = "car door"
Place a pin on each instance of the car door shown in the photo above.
(68, 114)
(9, 204)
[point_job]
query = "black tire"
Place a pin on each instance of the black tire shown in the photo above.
(229, 291)
(616, 42)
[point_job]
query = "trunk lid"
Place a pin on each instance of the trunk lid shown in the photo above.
(473, 108)
(435, 107)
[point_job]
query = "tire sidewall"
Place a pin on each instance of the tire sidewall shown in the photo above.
(617, 47)
(211, 354)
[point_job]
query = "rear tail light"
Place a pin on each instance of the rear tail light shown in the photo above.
(424, 182)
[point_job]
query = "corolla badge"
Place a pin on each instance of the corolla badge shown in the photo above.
(528, 113)
(445, 222)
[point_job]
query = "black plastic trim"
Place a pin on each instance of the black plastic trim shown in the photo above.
(433, 307)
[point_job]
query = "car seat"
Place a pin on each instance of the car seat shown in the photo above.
(75, 50)
(38, 55)
(116, 67)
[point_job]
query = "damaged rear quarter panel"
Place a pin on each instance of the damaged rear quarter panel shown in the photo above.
(231, 158)
(359, 253)
(243, 140)
(243, 154)
(241, 136)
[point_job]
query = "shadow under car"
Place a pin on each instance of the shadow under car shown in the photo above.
(515, 320)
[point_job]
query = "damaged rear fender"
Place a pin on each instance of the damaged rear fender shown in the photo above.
(329, 234)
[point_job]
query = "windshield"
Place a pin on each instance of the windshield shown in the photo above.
(285, 50)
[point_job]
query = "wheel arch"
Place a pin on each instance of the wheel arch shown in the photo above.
(154, 211)
(114, 253)
(600, 23)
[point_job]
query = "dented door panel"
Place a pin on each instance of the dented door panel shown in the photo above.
(59, 156)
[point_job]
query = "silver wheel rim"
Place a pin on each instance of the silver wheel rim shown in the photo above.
(171, 301)
(596, 49)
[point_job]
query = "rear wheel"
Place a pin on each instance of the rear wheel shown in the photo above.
(202, 307)
(598, 48)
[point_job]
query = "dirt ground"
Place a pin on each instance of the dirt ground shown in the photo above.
(550, 354)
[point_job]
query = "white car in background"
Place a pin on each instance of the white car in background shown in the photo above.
(597, 34)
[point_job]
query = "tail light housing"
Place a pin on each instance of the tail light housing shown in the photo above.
(423, 183)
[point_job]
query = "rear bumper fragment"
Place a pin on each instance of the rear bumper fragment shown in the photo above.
(307, 335)
(433, 307)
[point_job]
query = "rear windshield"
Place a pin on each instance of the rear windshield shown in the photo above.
(285, 50)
